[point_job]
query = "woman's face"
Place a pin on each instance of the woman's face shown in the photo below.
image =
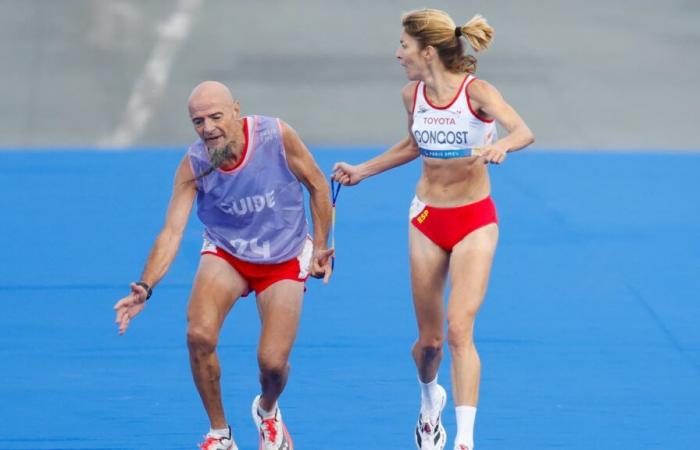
(411, 57)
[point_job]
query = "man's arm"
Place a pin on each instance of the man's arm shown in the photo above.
(167, 243)
(304, 167)
(165, 247)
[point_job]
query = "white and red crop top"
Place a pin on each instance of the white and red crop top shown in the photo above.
(450, 131)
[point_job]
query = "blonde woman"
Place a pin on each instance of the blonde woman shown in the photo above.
(452, 119)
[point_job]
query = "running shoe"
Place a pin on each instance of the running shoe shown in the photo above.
(216, 442)
(273, 433)
(430, 434)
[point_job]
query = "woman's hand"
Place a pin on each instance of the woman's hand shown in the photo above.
(346, 174)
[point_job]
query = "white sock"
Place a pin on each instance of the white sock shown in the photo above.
(267, 414)
(466, 415)
(220, 432)
(428, 395)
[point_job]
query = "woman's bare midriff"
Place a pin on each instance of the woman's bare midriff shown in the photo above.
(453, 182)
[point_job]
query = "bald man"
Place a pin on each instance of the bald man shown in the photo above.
(246, 173)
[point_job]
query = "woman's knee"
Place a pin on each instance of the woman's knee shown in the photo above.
(460, 332)
(429, 346)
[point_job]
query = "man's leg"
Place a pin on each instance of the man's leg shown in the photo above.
(280, 311)
(216, 288)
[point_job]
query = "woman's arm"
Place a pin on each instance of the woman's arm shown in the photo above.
(404, 151)
(488, 102)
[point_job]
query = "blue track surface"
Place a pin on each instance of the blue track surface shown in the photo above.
(589, 335)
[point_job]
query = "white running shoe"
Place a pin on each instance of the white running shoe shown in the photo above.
(273, 433)
(430, 434)
(216, 442)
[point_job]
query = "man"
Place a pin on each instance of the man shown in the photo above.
(246, 173)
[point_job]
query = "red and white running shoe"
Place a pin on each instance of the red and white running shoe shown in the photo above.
(216, 442)
(273, 433)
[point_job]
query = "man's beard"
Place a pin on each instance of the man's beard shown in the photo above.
(218, 156)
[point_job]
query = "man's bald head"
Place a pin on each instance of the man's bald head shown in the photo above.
(210, 93)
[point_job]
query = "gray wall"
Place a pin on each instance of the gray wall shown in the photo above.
(599, 74)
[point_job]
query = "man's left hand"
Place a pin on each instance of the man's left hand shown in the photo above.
(321, 264)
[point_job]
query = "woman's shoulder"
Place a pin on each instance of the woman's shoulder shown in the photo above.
(478, 88)
(408, 93)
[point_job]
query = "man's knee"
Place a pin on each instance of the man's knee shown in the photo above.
(273, 365)
(201, 338)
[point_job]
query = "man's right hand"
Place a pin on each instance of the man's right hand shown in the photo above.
(346, 174)
(129, 306)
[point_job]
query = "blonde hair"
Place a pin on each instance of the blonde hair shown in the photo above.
(435, 28)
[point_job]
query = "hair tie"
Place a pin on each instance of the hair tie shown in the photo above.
(458, 31)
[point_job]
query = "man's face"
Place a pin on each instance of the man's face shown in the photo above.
(214, 121)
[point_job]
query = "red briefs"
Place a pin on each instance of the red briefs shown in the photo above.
(447, 226)
(261, 276)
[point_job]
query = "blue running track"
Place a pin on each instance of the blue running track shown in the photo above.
(589, 336)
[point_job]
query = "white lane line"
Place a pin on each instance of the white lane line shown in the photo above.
(150, 84)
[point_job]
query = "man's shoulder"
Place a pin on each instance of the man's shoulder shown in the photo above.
(196, 151)
(261, 121)
(195, 146)
(267, 128)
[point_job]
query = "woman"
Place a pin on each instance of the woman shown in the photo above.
(451, 122)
